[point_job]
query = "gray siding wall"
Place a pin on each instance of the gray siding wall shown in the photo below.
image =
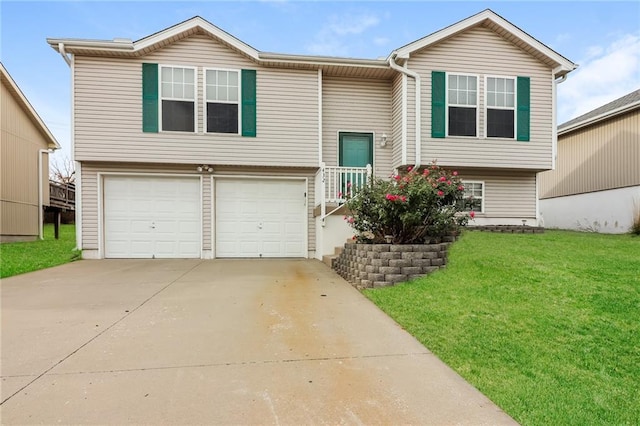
(602, 156)
(108, 112)
(357, 105)
(508, 194)
(481, 52)
(90, 208)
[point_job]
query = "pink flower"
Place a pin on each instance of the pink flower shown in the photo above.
(403, 199)
(390, 197)
(460, 188)
(409, 168)
(426, 172)
(350, 220)
(348, 184)
(472, 214)
(442, 179)
(340, 194)
(448, 182)
(353, 238)
(455, 173)
(440, 194)
(397, 177)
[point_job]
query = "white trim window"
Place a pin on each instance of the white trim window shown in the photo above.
(222, 101)
(501, 107)
(473, 198)
(177, 98)
(462, 105)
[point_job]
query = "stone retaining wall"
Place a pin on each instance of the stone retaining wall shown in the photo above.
(515, 229)
(380, 265)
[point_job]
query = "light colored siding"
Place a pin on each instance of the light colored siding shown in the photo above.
(481, 52)
(508, 194)
(20, 141)
(396, 120)
(357, 105)
(602, 156)
(411, 120)
(90, 209)
(108, 112)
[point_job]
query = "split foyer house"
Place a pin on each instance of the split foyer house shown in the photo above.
(191, 143)
(596, 184)
(25, 144)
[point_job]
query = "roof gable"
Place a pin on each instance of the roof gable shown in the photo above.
(628, 102)
(15, 91)
(503, 28)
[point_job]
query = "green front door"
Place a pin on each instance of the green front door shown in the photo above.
(356, 149)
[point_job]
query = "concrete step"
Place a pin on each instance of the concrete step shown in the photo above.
(328, 259)
(338, 250)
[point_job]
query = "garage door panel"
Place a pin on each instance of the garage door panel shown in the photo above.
(265, 218)
(152, 216)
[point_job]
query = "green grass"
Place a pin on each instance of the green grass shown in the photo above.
(546, 325)
(18, 258)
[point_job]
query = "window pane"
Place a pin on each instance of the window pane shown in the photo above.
(178, 116)
(222, 93)
(211, 93)
(491, 99)
(166, 74)
(233, 78)
(178, 75)
(500, 84)
(178, 91)
(510, 85)
(472, 99)
(167, 90)
(222, 78)
(211, 77)
(453, 81)
(491, 84)
(453, 97)
(510, 102)
(462, 83)
(500, 123)
(188, 76)
(472, 83)
(233, 94)
(222, 118)
(462, 121)
(500, 100)
(189, 91)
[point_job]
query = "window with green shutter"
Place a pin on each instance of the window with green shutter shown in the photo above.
(249, 119)
(438, 99)
(524, 108)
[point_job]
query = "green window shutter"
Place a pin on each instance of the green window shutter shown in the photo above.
(524, 109)
(249, 103)
(438, 104)
(150, 98)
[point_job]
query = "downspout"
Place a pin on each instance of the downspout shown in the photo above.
(416, 77)
(64, 53)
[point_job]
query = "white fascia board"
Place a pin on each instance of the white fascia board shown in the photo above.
(565, 65)
(191, 24)
(597, 118)
(323, 60)
(105, 45)
(52, 143)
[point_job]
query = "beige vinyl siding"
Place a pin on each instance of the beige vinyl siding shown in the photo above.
(108, 112)
(508, 194)
(411, 120)
(357, 105)
(603, 156)
(481, 52)
(90, 208)
(20, 141)
(397, 103)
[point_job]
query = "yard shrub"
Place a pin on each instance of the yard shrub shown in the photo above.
(411, 208)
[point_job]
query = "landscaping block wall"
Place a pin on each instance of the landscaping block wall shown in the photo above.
(379, 265)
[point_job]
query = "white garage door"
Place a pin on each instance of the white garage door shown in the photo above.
(260, 218)
(152, 217)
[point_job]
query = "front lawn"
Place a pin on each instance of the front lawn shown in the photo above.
(546, 325)
(18, 258)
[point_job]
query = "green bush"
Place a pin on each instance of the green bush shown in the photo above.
(412, 207)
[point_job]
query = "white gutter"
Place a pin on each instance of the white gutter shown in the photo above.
(64, 53)
(554, 118)
(416, 77)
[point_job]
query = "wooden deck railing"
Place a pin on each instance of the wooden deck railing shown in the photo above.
(62, 195)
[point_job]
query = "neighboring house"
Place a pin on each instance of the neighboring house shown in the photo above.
(190, 143)
(596, 183)
(25, 143)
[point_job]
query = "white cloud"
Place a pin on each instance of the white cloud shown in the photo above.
(332, 39)
(605, 74)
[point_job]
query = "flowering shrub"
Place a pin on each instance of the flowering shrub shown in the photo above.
(409, 208)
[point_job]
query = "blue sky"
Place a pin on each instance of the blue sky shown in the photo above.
(602, 37)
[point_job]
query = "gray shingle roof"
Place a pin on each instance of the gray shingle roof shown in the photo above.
(627, 99)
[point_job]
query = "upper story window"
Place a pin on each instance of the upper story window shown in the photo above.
(501, 107)
(473, 198)
(462, 105)
(222, 96)
(177, 94)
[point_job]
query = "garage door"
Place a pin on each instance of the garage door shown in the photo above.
(152, 217)
(260, 218)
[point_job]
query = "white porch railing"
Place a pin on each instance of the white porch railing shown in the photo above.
(333, 183)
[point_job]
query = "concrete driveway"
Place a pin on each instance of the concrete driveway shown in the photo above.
(216, 342)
